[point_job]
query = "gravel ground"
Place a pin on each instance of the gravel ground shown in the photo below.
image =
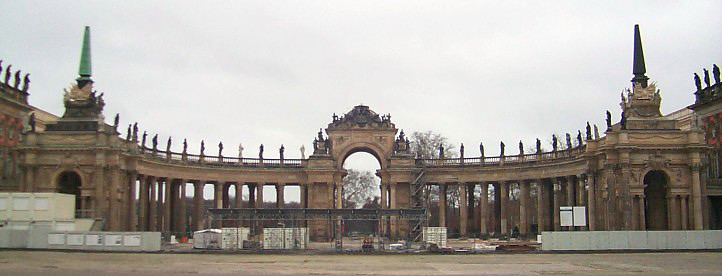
(76, 263)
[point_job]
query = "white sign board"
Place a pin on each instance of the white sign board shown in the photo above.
(580, 216)
(76, 239)
(56, 239)
(113, 240)
(94, 239)
(131, 240)
(566, 216)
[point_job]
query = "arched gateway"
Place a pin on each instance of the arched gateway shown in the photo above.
(614, 175)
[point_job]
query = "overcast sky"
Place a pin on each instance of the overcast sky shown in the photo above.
(274, 72)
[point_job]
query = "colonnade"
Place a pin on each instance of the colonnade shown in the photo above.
(161, 204)
(551, 194)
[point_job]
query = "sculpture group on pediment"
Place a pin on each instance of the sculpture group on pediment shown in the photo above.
(402, 144)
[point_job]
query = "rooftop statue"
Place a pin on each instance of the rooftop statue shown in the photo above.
(716, 73)
(115, 124)
(240, 150)
(17, 79)
(461, 150)
(579, 137)
(589, 131)
(303, 152)
(167, 144)
(260, 152)
(706, 77)
(697, 82)
(220, 148)
(203, 147)
(144, 136)
(31, 121)
(26, 82)
(155, 142)
(502, 148)
(135, 132)
(481, 149)
(280, 151)
(554, 142)
(521, 148)
(609, 120)
(185, 146)
(596, 132)
(538, 145)
(127, 133)
(623, 121)
(441, 151)
(569, 141)
(8, 74)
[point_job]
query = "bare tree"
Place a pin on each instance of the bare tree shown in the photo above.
(357, 188)
(426, 145)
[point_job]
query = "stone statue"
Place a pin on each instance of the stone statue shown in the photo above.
(127, 133)
(589, 131)
(240, 150)
(579, 137)
(481, 149)
(8, 74)
(203, 147)
(461, 150)
(697, 82)
(220, 149)
(281, 150)
(116, 121)
(609, 120)
(441, 151)
(26, 82)
(135, 132)
(144, 136)
(17, 79)
(521, 148)
(167, 144)
(502, 148)
(623, 121)
(185, 146)
(569, 141)
(538, 145)
(31, 121)
(260, 152)
(715, 73)
(303, 152)
(596, 132)
(706, 77)
(554, 142)
(155, 141)
(335, 118)
(320, 135)
(1, 66)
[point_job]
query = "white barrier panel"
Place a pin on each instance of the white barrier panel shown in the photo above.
(632, 240)
(102, 241)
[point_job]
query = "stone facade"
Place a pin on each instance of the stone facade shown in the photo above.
(643, 173)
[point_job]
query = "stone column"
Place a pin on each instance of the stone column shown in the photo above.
(497, 208)
(252, 196)
(696, 198)
(304, 193)
(540, 206)
(143, 206)
(473, 223)
(642, 219)
(463, 210)
(503, 217)
(239, 195)
(581, 198)
(198, 205)
(684, 212)
(226, 195)
(524, 208)
(159, 214)
(484, 209)
(152, 221)
(98, 184)
(218, 195)
(280, 201)
(132, 217)
(591, 203)
(571, 195)
(167, 207)
(393, 202)
(339, 195)
(259, 195)
(442, 205)
(635, 213)
(557, 204)
(113, 195)
(182, 217)
(675, 212)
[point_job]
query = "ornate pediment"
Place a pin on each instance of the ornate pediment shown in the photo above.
(362, 117)
(642, 102)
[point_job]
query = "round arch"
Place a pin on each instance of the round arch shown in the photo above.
(370, 148)
(69, 182)
(656, 188)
